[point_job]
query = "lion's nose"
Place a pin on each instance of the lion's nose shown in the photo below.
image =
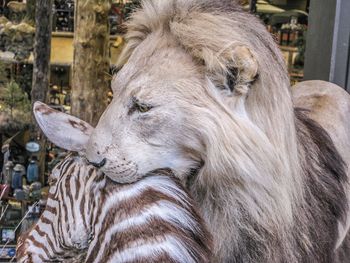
(100, 164)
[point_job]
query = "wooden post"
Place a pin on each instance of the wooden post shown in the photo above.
(91, 82)
(41, 64)
(42, 50)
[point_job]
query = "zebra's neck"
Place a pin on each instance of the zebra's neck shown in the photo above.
(152, 220)
(143, 220)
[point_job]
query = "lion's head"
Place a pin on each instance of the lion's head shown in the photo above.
(189, 69)
(202, 86)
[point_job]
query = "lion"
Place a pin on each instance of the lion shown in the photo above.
(203, 90)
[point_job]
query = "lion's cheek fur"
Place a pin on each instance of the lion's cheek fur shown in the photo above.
(131, 154)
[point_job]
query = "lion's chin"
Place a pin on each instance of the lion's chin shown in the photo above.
(123, 173)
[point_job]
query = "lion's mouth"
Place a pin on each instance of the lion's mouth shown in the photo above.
(120, 172)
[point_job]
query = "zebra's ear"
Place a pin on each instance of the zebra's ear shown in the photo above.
(64, 130)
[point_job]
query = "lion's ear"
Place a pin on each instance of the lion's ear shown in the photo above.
(230, 64)
(242, 70)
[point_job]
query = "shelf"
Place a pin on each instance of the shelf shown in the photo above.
(289, 48)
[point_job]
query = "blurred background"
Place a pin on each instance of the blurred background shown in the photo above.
(49, 48)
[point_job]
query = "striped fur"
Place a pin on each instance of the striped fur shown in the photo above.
(153, 220)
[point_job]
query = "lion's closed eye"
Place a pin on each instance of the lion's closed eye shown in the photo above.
(143, 108)
(140, 107)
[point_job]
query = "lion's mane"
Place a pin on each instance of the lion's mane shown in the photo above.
(271, 186)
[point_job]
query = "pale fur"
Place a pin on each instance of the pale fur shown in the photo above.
(330, 107)
(250, 159)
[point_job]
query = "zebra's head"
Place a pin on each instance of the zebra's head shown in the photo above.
(64, 229)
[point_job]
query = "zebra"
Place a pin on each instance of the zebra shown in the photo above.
(89, 216)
